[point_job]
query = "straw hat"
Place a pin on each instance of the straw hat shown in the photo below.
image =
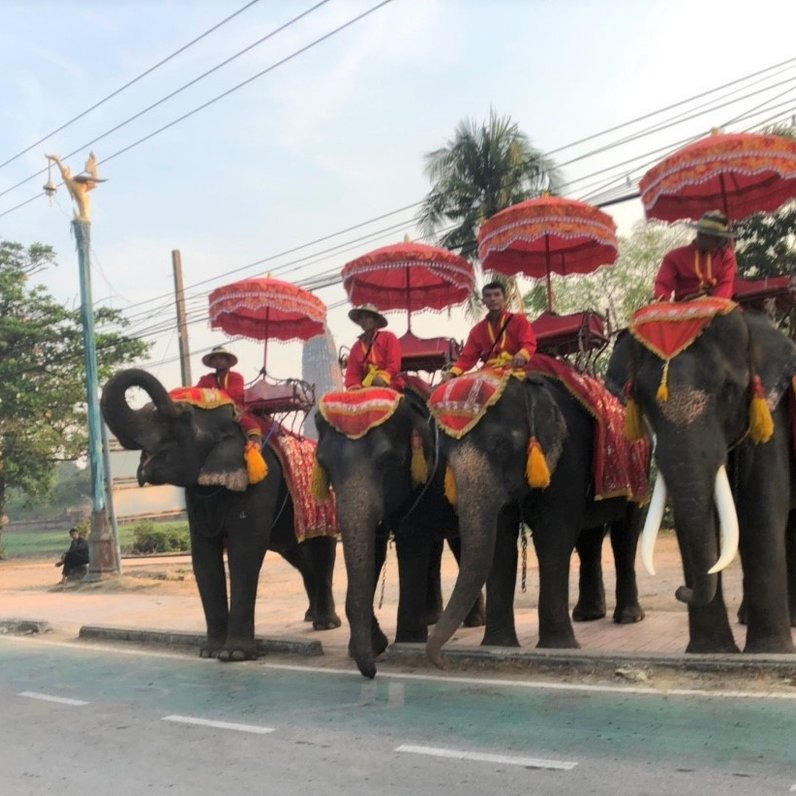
(714, 224)
(368, 309)
(219, 350)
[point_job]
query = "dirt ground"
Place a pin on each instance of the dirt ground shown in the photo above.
(160, 593)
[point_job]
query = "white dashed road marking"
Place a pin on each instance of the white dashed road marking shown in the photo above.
(48, 698)
(220, 725)
(482, 757)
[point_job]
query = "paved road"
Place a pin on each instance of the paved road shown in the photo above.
(78, 719)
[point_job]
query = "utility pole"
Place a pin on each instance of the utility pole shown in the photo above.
(182, 326)
(102, 558)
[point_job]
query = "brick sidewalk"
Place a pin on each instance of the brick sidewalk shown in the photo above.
(26, 592)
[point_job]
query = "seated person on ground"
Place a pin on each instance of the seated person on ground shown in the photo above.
(375, 358)
(705, 267)
(75, 558)
(502, 338)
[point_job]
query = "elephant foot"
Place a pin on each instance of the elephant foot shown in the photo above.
(768, 645)
(416, 635)
(326, 622)
(506, 638)
(585, 612)
(628, 614)
(743, 614)
(710, 646)
(379, 643)
(477, 615)
(309, 616)
(237, 650)
(211, 648)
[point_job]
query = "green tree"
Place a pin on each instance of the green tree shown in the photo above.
(486, 167)
(42, 381)
(766, 242)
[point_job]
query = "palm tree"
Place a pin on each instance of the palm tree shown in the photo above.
(484, 168)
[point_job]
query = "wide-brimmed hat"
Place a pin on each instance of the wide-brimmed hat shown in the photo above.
(368, 309)
(714, 224)
(219, 350)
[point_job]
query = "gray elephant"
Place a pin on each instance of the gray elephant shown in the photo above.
(376, 494)
(718, 470)
(202, 450)
(488, 467)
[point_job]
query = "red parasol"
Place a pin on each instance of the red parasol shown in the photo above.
(409, 276)
(739, 173)
(263, 308)
(547, 235)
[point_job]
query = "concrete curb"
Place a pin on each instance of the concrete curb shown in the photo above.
(24, 627)
(177, 638)
(585, 660)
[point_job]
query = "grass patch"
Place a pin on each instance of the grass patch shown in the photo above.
(46, 544)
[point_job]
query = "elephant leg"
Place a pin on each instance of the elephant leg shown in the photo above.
(477, 615)
(500, 628)
(433, 606)
(415, 559)
(708, 628)
(245, 552)
(591, 590)
(791, 557)
(624, 541)
(314, 559)
(207, 557)
(554, 550)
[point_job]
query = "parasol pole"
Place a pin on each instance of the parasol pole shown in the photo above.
(547, 268)
(408, 300)
(265, 342)
(725, 204)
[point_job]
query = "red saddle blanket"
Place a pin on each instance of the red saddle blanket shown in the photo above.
(203, 397)
(621, 467)
(667, 328)
(355, 412)
(296, 454)
(459, 404)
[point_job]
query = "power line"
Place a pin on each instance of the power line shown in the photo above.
(174, 93)
(131, 82)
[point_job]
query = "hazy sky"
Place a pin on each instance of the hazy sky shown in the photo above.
(336, 135)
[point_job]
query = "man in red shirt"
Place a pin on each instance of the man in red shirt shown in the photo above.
(705, 267)
(502, 338)
(375, 358)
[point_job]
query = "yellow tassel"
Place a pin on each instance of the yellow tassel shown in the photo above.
(255, 464)
(418, 466)
(761, 424)
(536, 470)
(663, 388)
(451, 492)
(634, 428)
(319, 483)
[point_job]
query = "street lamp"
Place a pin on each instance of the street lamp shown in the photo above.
(102, 550)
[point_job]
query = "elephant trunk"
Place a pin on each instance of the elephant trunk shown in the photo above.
(358, 519)
(133, 428)
(478, 518)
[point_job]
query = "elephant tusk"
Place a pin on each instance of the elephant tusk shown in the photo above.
(653, 523)
(728, 522)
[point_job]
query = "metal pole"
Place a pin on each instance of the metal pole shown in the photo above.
(106, 461)
(182, 326)
(549, 283)
(101, 558)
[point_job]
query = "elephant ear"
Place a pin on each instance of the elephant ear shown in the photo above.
(225, 465)
(548, 426)
(773, 357)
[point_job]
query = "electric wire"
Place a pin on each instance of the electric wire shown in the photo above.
(131, 82)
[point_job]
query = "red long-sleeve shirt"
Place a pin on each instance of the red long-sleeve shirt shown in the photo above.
(517, 337)
(232, 384)
(687, 271)
(384, 354)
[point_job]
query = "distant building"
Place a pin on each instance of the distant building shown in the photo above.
(319, 366)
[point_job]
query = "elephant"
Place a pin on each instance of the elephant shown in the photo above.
(375, 496)
(705, 453)
(488, 465)
(202, 451)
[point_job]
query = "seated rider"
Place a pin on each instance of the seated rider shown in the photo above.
(231, 382)
(75, 558)
(375, 358)
(705, 267)
(502, 338)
